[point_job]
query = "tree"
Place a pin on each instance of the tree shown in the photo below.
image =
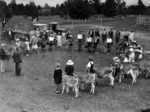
(141, 7)
(97, 6)
(5, 11)
(120, 7)
(110, 8)
(77, 9)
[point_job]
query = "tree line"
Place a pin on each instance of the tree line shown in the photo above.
(77, 9)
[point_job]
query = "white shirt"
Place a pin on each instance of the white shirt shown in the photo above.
(109, 40)
(79, 36)
(9, 32)
(51, 38)
(131, 36)
(89, 39)
(89, 64)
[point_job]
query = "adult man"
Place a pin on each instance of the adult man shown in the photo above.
(117, 36)
(80, 39)
(3, 24)
(111, 35)
(104, 36)
(91, 33)
(117, 65)
(109, 44)
(96, 42)
(131, 36)
(69, 69)
(9, 36)
(2, 58)
(89, 43)
(126, 35)
(18, 61)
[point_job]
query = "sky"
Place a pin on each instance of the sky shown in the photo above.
(54, 2)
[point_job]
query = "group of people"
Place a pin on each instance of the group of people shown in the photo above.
(17, 58)
(91, 40)
(69, 70)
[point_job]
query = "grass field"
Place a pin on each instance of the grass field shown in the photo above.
(34, 90)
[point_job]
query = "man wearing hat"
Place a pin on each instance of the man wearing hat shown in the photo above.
(131, 54)
(18, 43)
(117, 65)
(18, 61)
(69, 69)
(2, 58)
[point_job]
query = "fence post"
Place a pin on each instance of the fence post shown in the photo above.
(101, 21)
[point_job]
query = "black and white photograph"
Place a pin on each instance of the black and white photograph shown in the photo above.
(74, 55)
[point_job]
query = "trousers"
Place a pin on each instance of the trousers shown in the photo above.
(2, 66)
(18, 69)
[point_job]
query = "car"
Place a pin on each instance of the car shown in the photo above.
(40, 26)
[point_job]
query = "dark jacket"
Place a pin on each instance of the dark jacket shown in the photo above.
(17, 57)
(69, 70)
(57, 76)
(2, 54)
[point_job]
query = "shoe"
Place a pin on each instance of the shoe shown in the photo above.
(2, 71)
(57, 92)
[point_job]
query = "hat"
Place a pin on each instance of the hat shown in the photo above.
(116, 59)
(70, 62)
(17, 39)
(131, 49)
(3, 44)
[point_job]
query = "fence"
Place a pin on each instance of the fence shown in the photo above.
(143, 20)
(98, 21)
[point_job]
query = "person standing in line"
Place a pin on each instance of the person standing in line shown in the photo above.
(27, 42)
(2, 58)
(51, 42)
(96, 42)
(9, 36)
(131, 36)
(117, 36)
(104, 36)
(59, 41)
(18, 61)
(126, 36)
(111, 35)
(80, 39)
(3, 24)
(57, 77)
(109, 44)
(91, 33)
(89, 43)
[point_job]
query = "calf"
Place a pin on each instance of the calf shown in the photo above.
(89, 78)
(134, 73)
(71, 82)
(129, 68)
(106, 72)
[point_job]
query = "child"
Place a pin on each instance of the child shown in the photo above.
(57, 77)
(70, 44)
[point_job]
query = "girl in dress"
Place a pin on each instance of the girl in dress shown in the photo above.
(59, 41)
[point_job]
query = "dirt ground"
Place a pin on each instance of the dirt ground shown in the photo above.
(34, 90)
